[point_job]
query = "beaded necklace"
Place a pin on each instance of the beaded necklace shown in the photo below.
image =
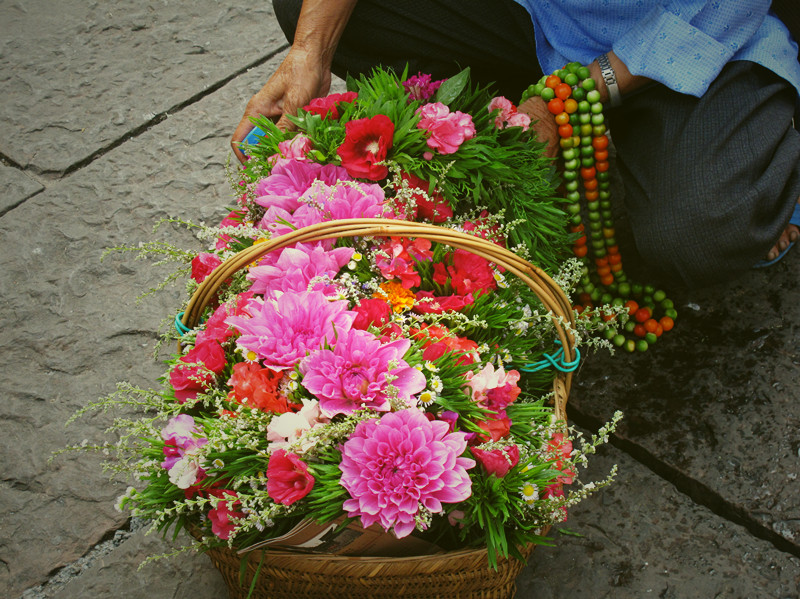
(572, 98)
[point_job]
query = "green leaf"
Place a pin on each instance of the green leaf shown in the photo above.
(452, 87)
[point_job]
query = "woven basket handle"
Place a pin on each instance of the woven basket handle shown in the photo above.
(550, 294)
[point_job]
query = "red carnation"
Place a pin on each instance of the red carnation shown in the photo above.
(329, 105)
(367, 142)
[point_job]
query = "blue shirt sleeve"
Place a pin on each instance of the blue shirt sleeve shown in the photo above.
(686, 50)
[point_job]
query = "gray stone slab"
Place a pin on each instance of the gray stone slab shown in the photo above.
(717, 399)
(79, 76)
(15, 188)
(122, 573)
(640, 537)
(70, 326)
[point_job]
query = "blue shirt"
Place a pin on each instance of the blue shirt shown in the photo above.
(681, 43)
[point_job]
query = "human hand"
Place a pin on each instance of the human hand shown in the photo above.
(543, 123)
(302, 76)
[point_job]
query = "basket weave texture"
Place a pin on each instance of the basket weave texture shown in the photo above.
(463, 574)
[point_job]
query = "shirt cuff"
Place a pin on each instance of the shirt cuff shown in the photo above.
(667, 49)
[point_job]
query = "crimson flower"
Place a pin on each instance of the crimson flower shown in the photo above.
(195, 372)
(497, 461)
(329, 105)
(258, 388)
(366, 143)
(203, 265)
(288, 478)
(222, 516)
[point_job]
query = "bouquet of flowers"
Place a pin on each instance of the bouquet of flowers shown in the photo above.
(394, 382)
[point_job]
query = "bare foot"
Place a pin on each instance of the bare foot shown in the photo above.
(790, 234)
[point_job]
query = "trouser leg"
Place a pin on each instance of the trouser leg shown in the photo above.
(711, 182)
(495, 39)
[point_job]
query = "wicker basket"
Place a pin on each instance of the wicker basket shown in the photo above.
(461, 574)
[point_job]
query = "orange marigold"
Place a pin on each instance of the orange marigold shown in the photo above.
(398, 296)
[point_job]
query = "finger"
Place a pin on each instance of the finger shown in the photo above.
(242, 129)
(284, 124)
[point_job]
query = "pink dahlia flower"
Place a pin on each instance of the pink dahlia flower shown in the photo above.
(360, 372)
(296, 267)
(446, 130)
(290, 178)
(393, 464)
(282, 331)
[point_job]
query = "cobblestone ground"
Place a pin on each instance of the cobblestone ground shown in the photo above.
(117, 114)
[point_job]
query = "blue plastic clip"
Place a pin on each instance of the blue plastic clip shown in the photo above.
(182, 328)
(556, 361)
(253, 137)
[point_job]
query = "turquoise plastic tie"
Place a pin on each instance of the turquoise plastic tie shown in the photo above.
(555, 360)
(182, 328)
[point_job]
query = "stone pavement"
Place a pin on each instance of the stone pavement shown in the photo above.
(116, 114)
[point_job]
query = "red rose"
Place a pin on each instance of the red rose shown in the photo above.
(329, 105)
(288, 479)
(195, 371)
(497, 461)
(203, 265)
(367, 142)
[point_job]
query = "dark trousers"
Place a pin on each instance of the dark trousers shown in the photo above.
(710, 183)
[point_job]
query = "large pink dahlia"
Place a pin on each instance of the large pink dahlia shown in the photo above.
(360, 372)
(393, 465)
(282, 331)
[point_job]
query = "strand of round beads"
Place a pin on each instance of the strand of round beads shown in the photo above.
(574, 102)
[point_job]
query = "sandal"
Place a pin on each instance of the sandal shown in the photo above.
(795, 220)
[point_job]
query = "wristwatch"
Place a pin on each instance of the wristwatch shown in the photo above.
(610, 78)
